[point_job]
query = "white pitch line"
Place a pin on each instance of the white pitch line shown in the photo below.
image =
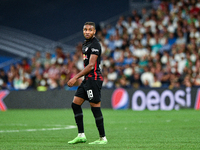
(43, 129)
(12, 124)
(55, 125)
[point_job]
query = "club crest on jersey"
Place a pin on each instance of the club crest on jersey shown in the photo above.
(84, 57)
(86, 49)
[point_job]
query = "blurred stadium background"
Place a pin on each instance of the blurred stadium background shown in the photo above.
(146, 45)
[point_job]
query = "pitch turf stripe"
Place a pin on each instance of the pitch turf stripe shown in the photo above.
(13, 124)
(43, 129)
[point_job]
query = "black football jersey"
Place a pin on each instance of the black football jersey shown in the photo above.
(92, 47)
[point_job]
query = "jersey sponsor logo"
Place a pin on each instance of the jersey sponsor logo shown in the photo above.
(120, 99)
(94, 50)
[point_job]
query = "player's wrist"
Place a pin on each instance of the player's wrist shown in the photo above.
(77, 76)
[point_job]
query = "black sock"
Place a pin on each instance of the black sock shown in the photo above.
(99, 120)
(78, 115)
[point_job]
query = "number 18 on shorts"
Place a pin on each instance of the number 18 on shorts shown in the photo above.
(90, 94)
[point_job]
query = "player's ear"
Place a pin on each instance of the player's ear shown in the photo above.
(95, 31)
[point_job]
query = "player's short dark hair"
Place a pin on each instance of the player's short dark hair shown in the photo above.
(90, 23)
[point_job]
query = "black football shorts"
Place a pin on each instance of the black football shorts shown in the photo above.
(90, 90)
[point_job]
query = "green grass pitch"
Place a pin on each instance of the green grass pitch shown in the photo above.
(38, 129)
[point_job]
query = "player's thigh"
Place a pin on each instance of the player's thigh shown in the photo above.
(80, 95)
(78, 100)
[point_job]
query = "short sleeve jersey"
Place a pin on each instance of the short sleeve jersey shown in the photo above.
(92, 47)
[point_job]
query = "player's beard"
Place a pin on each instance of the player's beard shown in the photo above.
(88, 39)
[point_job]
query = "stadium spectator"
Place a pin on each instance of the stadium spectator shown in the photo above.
(3, 79)
(164, 40)
(26, 65)
(135, 80)
(64, 76)
(122, 82)
(112, 76)
(47, 59)
(144, 15)
(59, 56)
(11, 75)
(21, 82)
(181, 39)
(118, 56)
(39, 58)
(37, 70)
(156, 83)
(171, 39)
(147, 77)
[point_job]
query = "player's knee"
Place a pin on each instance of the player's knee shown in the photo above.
(72, 106)
(76, 108)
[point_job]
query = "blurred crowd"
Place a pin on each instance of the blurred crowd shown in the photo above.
(153, 48)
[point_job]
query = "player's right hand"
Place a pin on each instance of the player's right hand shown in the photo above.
(71, 82)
